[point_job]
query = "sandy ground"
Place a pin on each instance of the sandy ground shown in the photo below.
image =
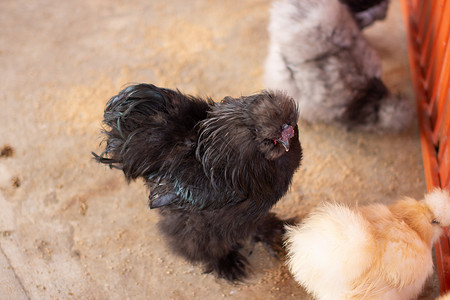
(73, 229)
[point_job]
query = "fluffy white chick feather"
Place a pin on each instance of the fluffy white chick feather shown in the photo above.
(369, 252)
(444, 297)
(319, 56)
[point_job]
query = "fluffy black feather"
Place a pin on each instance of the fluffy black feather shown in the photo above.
(366, 12)
(214, 170)
(365, 106)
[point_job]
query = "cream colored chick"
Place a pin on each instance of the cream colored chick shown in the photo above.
(444, 297)
(370, 252)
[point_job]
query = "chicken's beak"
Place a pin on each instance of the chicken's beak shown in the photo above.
(285, 144)
(287, 132)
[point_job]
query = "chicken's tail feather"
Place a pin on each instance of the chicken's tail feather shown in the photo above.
(104, 160)
(145, 126)
(375, 108)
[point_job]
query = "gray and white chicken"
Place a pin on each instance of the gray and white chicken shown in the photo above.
(318, 55)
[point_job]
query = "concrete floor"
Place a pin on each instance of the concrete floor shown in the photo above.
(73, 229)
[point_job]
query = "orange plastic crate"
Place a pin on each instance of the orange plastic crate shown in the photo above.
(428, 30)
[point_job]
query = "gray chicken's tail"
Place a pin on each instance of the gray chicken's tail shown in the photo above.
(376, 108)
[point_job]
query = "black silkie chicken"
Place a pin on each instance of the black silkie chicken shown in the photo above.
(214, 170)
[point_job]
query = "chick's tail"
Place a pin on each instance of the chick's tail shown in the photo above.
(330, 250)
